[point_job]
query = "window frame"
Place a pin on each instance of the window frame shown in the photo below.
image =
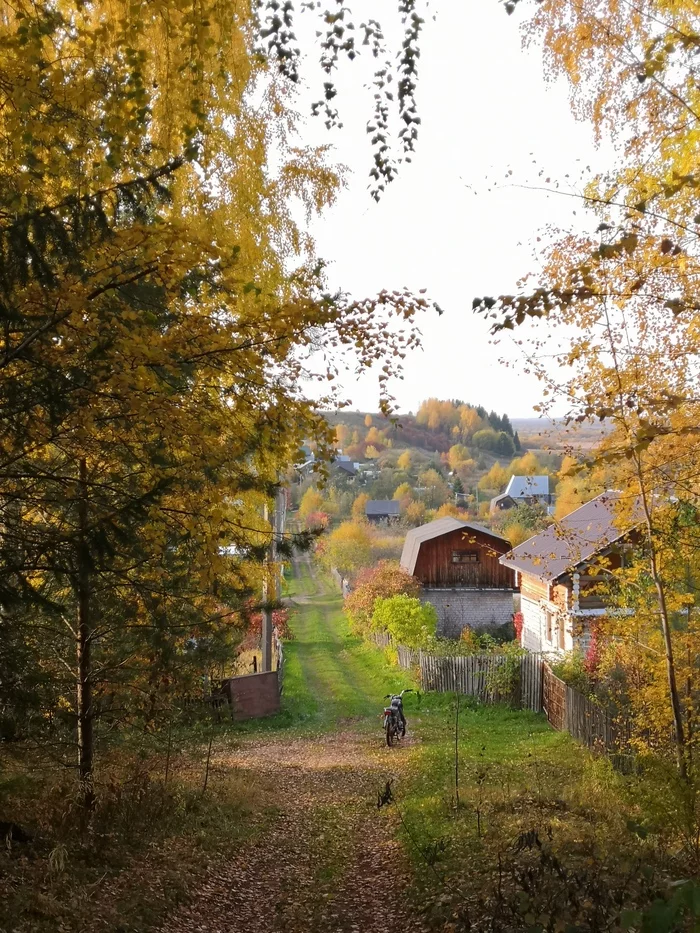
(473, 557)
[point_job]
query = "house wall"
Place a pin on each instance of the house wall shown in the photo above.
(478, 609)
(434, 566)
(537, 599)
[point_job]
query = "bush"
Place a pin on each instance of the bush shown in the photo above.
(572, 670)
(380, 582)
(409, 621)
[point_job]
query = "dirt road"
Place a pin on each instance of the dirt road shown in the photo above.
(328, 861)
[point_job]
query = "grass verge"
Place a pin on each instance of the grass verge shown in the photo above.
(530, 833)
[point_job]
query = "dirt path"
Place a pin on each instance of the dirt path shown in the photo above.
(328, 861)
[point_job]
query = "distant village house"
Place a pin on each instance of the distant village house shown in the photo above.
(383, 510)
(523, 490)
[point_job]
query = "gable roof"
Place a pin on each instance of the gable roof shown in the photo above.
(576, 538)
(520, 487)
(346, 465)
(441, 526)
(383, 507)
(502, 498)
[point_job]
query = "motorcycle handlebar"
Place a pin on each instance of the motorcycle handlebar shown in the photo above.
(388, 696)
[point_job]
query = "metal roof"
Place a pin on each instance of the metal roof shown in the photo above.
(576, 538)
(383, 507)
(441, 526)
(346, 465)
(521, 487)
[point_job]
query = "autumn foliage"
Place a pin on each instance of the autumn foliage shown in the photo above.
(387, 579)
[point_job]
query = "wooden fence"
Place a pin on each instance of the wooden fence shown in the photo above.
(474, 675)
(279, 652)
(531, 668)
(527, 682)
(600, 729)
(408, 658)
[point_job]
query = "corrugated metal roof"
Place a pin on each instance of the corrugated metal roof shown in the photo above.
(574, 539)
(383, 507)
(441, 526)
(520, 487)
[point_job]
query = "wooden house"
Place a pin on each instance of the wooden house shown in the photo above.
(383, 510)
(457, 563)
(559, 570)
(501, 503)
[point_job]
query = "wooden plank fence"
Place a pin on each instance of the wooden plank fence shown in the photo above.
(531, 668)
(472, 675)
(598, 728)
(279, 652)
(553, 698)
(479, 675)
(535, 688)
(408, 658)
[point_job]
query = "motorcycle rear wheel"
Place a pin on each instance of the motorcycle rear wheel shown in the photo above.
(390, 732)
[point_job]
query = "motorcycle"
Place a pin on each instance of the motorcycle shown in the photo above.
(394, 719)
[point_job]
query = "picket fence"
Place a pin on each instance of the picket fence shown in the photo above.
(533, 686)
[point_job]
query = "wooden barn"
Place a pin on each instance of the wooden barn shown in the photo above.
(558, 571)
(458, 564)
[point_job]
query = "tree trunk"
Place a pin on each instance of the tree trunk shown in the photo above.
(679, 731)
(85, 710)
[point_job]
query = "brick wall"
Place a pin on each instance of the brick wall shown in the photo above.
(253, 696)
(479, 609)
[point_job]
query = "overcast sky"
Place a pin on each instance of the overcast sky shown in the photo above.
(453, 222)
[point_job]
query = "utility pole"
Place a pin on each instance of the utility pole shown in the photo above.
(272, 571)
(267, 596)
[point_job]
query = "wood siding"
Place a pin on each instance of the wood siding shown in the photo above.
(434, 565)
(533, 588)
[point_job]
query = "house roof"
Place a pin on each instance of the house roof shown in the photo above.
(503, 496)
(441, 526)
(383, 507)
(567, 543)
(346, 465)
(521, 487)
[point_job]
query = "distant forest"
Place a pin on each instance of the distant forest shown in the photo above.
(437, 426)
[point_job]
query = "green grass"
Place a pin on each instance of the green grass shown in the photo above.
(517, 776)
(330, 674)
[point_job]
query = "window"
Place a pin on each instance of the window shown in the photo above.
(465, 557)
(562, 633)
(548, 618)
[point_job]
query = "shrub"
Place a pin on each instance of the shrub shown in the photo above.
(386, 579)
(518, 623)
(572, 670)
(409, 621)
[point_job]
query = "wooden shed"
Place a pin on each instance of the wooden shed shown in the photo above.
(458, 564)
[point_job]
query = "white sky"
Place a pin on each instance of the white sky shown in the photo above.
(451, 222)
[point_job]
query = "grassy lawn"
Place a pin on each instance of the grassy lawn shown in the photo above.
(542, 833)
(330, 674)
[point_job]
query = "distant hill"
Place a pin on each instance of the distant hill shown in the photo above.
(438, 425)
